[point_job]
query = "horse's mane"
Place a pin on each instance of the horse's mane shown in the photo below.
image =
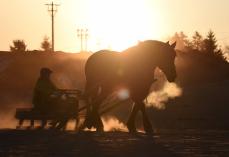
(146, 49)
(146, 45)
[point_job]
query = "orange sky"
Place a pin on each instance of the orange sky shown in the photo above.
(114, 24)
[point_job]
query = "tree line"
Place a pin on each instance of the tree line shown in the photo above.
(19, 46)
(203, 59)
(199, 44)
(196, 44)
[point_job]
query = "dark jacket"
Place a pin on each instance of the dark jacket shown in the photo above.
(42, 92)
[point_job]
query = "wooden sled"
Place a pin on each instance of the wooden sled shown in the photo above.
(32, 115)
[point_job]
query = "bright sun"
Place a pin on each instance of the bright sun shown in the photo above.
(118, 24)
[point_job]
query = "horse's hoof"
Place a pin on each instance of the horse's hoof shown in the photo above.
(99, 129)
(149, 131)
(87, 124)
(131, 129)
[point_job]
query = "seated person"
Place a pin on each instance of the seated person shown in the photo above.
(42, 97)
(43, 90)
(46, 100)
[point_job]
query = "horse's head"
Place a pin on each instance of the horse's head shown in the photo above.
(161, 55)
(167, 62)
(152, 53)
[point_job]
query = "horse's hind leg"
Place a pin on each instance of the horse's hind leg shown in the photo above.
(97, 122)
(91, 91)
(95, 117)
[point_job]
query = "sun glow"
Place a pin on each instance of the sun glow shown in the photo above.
(118, 24)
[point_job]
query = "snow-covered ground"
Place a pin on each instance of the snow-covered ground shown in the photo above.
(164, 143)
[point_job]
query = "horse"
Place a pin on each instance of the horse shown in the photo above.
(133, 69)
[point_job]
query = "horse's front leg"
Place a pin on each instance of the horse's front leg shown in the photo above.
(146, 122)
(131, 121)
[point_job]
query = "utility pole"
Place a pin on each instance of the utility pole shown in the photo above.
(82, 34)
(52, 8)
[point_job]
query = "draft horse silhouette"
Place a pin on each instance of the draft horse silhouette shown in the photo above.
(134, 69)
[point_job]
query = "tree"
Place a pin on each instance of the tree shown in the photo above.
(197, 41)
(19, 46)
(210, 43)
(182, 41)
(46, 45)
(211, 47)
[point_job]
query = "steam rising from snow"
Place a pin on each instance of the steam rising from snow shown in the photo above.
(113, 124)
(158, 99)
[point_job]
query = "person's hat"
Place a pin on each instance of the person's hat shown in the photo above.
(45, 71)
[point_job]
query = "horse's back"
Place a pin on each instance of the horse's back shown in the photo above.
(102, 64)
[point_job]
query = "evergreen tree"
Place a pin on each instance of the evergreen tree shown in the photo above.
(211, 47)
(210, 43)
(18, 46)
(197, 41)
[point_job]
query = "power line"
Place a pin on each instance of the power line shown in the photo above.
(52, 8)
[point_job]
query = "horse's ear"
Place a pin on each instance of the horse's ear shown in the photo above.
(167, 42)
(174, 45)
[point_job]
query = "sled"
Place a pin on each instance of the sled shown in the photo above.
(30, 114)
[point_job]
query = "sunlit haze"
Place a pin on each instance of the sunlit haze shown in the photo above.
(112, 24)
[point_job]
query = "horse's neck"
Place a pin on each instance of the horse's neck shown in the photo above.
(143, 59)
(138, 64)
